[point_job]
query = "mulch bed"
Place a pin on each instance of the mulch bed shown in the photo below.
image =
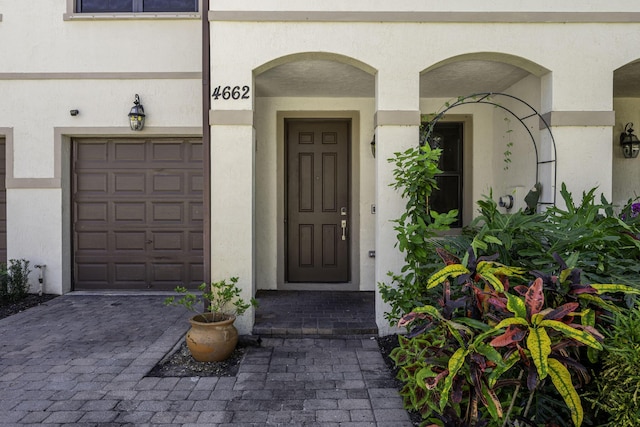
(8, 308)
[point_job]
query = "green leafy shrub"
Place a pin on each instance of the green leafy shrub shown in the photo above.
(221, 298)
(618, 382)
(14, 280)
(607, 246)
(495, 340)
(414, 176)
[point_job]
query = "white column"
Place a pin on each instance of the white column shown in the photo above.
(397, 124)
(232, 210)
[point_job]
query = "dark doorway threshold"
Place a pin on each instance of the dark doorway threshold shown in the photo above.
(315, 314)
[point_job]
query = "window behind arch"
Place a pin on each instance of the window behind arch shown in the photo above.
(132, 6)
(449, 136)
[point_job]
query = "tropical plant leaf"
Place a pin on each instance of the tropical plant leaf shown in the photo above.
(562, 311)
(539, 344)
(430, 310)
(491, 402)
(493, 281)
(534, 298)
(511, 321)
(511, 335)
(599, 302)
(516, 305)
(573, 333)
(503, 367)
(609, 288)
(455, 363)
(453, 270)
(562, 381)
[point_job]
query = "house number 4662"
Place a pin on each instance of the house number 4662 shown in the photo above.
(230, 92)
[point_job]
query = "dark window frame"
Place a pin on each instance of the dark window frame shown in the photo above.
(137, 6)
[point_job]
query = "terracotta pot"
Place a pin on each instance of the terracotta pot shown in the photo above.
(211, 341)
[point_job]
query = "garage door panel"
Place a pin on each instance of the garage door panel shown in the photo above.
(92, 241)
(92, 182)
(128, 183)
(130, 241)
(168, 183)
(167, 271)
(168, 241)
(129, 212)
(168, 212)
(91, 211)
(93, 273)
(128, 152)
(196, 184)
(196, 242)
(196, 212)
(195, 153)
(93, 152)
(169, 152)
(146, 196)
(128, 272)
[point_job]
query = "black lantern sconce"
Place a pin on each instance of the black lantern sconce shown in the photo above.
(136, 115)
(373, 146)
(629, 142)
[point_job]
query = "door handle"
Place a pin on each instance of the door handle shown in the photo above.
(344, 229)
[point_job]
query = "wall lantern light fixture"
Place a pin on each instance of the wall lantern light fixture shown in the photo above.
(629, 142)
(136, 115)
(373, 146)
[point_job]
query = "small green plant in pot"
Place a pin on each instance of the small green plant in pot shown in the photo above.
(212, 336)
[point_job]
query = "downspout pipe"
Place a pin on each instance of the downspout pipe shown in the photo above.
(206, 140)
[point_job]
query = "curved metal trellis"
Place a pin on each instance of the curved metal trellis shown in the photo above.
(488, 98)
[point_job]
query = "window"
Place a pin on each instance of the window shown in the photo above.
(111, 6)
(449, 137)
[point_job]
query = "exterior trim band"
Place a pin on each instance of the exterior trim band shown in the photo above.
(178, 75)
(579, 118)
(427, 16)
(396, 118)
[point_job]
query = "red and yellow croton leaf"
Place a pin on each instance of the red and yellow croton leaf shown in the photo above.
(534, 298)
(455, 363)
(609, 288)
(511, 335)
(539, 345)
(562, 381)
(581, 336)
(453, 270)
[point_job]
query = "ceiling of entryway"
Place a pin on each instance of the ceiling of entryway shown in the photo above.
(324, 78)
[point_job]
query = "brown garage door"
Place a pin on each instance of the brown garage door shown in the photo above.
(137, 213)
(3, 204)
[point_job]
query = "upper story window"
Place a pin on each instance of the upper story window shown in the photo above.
(135, 6)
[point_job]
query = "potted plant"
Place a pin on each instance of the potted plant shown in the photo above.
(212, 336)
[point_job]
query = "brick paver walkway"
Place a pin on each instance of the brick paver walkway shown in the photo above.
(81, 360)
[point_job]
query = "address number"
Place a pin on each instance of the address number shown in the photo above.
(228, 92)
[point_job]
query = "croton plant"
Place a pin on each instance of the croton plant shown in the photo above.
(494, 339)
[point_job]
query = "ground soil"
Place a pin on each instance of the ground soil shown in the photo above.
(8, 308)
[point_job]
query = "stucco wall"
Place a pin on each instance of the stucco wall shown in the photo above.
(626, 172)
(51, 66)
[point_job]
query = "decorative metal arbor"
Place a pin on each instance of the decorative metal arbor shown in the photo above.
(492, 98)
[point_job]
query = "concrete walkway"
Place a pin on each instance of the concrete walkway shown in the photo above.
(81, 360)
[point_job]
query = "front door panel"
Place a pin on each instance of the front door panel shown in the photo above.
(318, 220)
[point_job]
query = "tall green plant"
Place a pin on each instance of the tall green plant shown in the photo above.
(414, 176)
(14, 280)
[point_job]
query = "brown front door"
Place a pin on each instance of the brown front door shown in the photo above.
(318, 217)
(137, 213)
